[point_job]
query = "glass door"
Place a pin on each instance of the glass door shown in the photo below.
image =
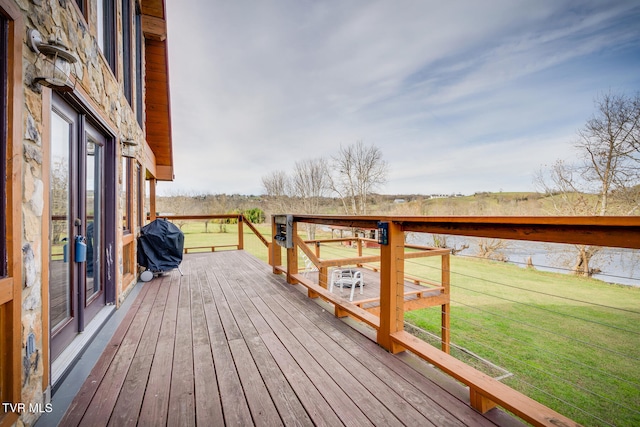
(62, 306)
(94, 208)
(76, 228)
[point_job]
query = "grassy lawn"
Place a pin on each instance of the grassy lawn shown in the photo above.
(197, 234)
(568, 342)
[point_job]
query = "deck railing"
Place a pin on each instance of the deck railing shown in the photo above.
(395, 259)
(199, 224)
(397, 265)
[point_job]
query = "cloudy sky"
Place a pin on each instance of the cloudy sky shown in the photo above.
(460, 96)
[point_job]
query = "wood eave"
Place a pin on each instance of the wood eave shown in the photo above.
(157, 96)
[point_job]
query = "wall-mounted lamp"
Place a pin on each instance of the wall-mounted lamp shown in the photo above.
(128, 147)
(56, 70)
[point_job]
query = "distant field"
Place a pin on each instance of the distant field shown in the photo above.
(566, 341)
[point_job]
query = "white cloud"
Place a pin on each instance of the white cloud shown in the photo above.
(257, 86)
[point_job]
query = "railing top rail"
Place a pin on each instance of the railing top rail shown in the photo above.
(238, 216)
(208, 216)
(613, 231)
(347, 220)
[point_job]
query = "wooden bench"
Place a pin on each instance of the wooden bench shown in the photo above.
(485, 392)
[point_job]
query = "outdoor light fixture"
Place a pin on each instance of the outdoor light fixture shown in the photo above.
(128, 147)
(57, 61)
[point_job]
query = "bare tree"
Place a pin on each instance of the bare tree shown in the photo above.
(606, 177)
(610, 149)
(277, 187)
(276, 184)
(493, 249)
(358, 170)
(561, 184)
(59, 199)
(310, 182)
(442, 241)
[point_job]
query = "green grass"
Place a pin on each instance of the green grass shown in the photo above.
(573, 338)
(197, 234)
(570, 343)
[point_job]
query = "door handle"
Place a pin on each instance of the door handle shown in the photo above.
(81, 249)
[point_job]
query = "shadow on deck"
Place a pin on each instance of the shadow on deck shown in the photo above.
(229, 343)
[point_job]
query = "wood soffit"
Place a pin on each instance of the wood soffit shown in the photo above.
(157, 99)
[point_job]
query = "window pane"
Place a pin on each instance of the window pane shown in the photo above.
(59, 280)
(147, 200)
(93, 207)
(140, 195)
(126, 49)
(124, 195)
(139, 104)
(81, 6)
(100, 22)
(105, 31)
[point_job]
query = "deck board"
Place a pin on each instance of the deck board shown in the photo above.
(229, 343)
(156, 398)
(181, 397)
(208, 408)
(130, 398)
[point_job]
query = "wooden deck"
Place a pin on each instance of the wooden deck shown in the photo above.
(229, 343)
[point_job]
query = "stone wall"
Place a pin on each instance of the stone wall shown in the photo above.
(94, 77)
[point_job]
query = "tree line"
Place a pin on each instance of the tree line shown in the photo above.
(352, 175)
(601, 178)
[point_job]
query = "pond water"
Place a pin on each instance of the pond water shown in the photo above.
(616, 265)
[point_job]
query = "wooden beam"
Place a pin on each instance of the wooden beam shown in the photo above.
(622, 232)
(11, 286)
(609, 231)
(164, 173)
(149, 160)
(152, 199)
(292, 258)
(154, 28)
(276, 252)
(391, 288)
(240, 232)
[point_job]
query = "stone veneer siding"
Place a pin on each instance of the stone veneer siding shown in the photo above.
(95, 78)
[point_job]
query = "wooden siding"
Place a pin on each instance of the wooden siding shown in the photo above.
(157, 100)
(158, 108)
(153, 8)
(11, 285)
(229, 343)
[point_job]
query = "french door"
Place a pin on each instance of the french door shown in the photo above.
(77, 224)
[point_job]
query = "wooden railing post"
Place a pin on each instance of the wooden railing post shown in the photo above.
(152, 199)
(318, 249)
(391, 288)
(240, 232)
(359, 245)
(276, 252)
(323, 277)
(446, 308)
(292, 258)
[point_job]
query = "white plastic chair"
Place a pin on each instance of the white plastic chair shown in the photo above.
(308, 265)
(344, 278)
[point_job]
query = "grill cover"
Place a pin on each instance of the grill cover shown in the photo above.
(160, 246)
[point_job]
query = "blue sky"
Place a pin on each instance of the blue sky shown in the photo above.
(460, 96)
